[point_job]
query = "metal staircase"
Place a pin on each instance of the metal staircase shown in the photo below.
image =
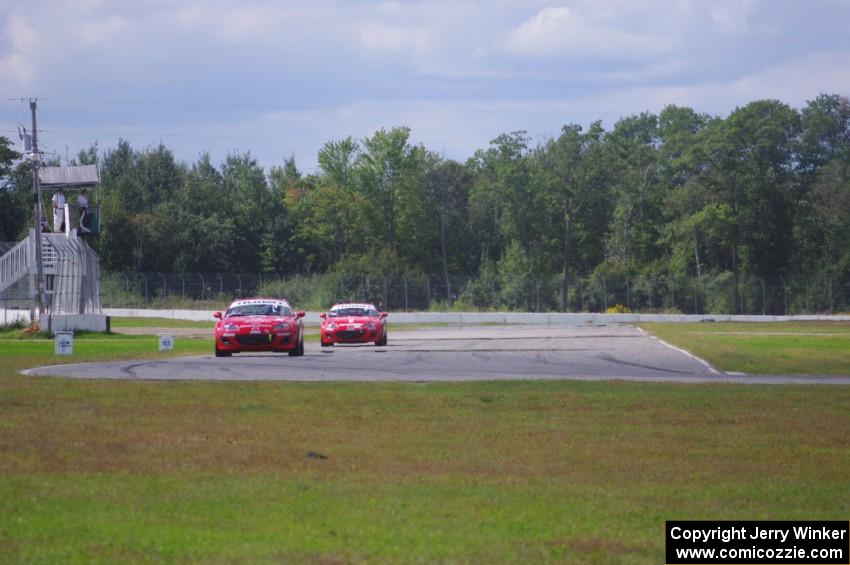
(70, 268)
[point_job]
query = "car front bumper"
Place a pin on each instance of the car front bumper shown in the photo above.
(262, 341)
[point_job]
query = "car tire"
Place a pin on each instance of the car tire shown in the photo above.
(221, 353)
(299, 349)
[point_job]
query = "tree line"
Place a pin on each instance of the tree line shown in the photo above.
(763, 192)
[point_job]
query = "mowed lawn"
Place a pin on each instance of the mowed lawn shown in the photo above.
(116, 471)
(776, 348)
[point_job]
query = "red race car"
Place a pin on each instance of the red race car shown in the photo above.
(259, 324)
(352, 322)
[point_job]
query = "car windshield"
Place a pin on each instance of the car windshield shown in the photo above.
(352, 312)
(258, 309)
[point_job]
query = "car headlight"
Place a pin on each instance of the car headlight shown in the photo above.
(278, 327)
(230, 327)
(370, 326)
(332, 326)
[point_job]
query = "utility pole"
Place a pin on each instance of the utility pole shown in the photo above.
(36, 188)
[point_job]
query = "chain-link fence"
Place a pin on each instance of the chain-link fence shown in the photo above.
(720, 293)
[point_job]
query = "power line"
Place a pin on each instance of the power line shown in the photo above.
(229, 136)
(283, 107)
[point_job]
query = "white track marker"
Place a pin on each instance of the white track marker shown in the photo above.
(691, 355)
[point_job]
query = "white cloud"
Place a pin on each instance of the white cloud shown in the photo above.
(245, 22)
(101, 32)
(23, 39)
(379, 36)
(561, 30)
(794, 83)
(731, 17)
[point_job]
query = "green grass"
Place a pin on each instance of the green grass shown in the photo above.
(126, 322)
(95, 347)
(777, 348)
(117, 471)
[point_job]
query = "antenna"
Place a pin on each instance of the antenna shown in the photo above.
(25, 137)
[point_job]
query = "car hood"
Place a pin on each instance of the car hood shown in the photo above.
(351, 320)
(257, 320)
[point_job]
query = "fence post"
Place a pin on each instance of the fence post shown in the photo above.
(604, 294)
(784, 293)
(538, 297)
(580, 294)
(673, 293)
(763, 298)
(404, 281)
(561, 300)
(830, 294)
(164, 285)
(696, 289)
(808, 305)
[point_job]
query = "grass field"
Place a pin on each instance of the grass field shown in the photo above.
(103, 471)
(126, 322)
(786, 348)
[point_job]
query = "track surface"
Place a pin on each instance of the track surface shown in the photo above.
(450, 354)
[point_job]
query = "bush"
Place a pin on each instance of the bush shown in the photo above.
(618, 309)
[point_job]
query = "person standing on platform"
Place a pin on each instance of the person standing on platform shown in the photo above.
(83, 205)
(59, 211)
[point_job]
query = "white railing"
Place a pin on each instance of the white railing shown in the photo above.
(49, 257)
(15, 264)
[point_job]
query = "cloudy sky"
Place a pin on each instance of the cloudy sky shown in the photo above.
(280, 78)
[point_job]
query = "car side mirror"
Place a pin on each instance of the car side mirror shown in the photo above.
(300, 314)
(217, 315)
(323, 315)
(384, 314)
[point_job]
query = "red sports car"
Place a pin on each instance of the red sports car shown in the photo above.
(354, 323)
(259, 324)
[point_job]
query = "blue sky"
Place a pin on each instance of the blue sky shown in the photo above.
(281, 78)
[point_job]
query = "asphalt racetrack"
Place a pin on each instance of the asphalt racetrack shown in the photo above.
(449, 354)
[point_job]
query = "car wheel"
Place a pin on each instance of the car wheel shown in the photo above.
(220, 353)
(299, 349)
